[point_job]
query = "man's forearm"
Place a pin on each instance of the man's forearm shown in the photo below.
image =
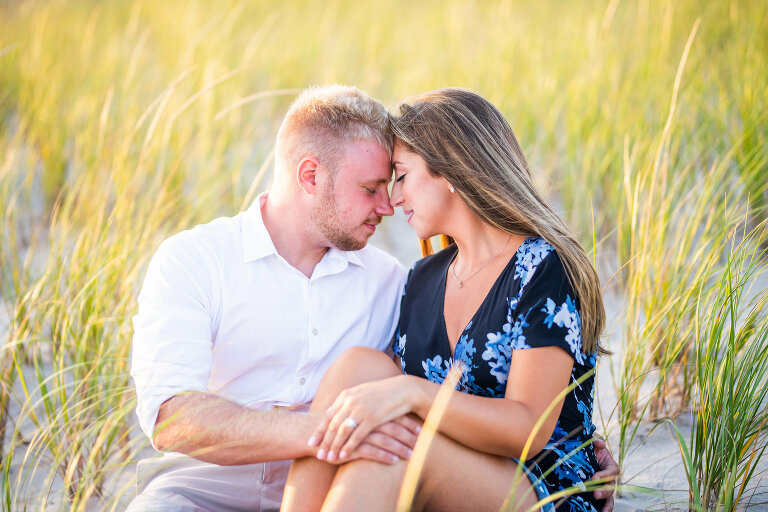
(212, 429)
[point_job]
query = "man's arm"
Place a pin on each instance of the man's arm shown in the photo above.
(212, 429)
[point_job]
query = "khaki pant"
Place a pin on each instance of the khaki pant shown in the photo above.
(179, 483)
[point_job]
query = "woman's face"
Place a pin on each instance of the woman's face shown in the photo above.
(424, 199)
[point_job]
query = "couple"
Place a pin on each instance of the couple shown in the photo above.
(245, 321)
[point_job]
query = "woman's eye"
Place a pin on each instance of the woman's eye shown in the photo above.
(401, 178)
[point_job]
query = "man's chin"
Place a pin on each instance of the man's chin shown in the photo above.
(350, 244)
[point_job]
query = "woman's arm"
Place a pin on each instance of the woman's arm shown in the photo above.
(499, 426)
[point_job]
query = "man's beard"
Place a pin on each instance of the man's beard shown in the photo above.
(326, 217)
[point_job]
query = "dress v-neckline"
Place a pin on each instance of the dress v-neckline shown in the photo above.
(443, 286)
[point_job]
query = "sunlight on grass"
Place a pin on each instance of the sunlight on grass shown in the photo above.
(124, 122)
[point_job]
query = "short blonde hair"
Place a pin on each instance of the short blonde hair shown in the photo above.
(323, 118)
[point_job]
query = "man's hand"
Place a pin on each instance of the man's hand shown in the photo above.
(609, 469)
(387, 444)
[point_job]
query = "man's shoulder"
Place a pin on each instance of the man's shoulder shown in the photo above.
(213, 239)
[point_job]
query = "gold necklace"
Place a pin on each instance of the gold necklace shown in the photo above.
(461, 281)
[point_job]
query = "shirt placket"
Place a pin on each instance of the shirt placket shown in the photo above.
(303, 368)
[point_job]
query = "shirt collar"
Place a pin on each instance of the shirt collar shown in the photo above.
(256, 241)
(258, 244)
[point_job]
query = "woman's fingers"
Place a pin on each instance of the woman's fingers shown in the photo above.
(328, 448)
(322, 428)
(351, 433)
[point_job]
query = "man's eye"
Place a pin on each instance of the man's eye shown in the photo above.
(371, 191)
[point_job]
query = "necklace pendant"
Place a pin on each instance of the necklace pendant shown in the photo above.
(461, 284)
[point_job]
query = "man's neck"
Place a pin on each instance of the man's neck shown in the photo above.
(287, 224)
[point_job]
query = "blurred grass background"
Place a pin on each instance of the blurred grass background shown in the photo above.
(123, 122)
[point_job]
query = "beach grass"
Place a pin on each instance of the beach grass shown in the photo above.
(124, 122)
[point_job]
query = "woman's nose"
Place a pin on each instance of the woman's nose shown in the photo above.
(396, 197)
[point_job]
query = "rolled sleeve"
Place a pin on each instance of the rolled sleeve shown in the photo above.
(172, 330)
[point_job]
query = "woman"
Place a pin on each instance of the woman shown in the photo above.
(515, 302)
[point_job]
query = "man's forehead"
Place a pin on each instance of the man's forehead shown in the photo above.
(366, 160)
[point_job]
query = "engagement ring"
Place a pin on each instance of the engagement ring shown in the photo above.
(350, 422)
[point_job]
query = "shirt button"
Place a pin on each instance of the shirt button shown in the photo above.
(302, 381)
(314, 331)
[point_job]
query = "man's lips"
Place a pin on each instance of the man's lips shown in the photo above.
(371, 224)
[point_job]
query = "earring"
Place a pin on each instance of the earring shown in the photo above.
(452, 189)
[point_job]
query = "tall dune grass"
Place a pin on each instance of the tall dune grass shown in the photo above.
(123, 122)
(729, 420)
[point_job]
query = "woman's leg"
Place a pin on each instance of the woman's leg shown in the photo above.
(454, 477)
(310, 479)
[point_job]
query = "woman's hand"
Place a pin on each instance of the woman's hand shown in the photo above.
(360, 410)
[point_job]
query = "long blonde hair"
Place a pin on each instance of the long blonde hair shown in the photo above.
(466, 140)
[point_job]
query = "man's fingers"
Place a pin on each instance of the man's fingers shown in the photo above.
(400, 433)
(371, 452)
(608, 507)
(389, 444)
(410, 423)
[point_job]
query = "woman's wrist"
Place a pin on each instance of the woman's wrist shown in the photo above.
(417, 394)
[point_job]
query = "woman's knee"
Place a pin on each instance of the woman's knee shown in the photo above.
(355, 366)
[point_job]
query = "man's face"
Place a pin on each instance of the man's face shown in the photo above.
(354, 202)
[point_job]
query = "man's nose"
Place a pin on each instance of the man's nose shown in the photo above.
(384, 208)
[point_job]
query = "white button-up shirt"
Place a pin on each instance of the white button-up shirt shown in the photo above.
(221, 311)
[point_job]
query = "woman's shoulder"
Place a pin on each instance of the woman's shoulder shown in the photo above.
(537, 258)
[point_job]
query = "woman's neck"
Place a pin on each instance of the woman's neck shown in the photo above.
(479, 243)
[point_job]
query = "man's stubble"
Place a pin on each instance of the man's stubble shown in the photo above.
(330, 222)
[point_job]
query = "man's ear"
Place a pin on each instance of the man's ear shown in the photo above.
(306, 174)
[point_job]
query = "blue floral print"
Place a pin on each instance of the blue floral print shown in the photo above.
(531, 305)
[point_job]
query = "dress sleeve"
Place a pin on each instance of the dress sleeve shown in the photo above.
(546, 312)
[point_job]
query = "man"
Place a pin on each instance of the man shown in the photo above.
(239, 318)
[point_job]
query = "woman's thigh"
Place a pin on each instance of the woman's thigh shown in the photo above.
(459, 478)
(453, 478)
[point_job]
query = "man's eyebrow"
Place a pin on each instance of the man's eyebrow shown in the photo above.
(380, 180)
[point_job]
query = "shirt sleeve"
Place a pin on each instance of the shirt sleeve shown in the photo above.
(172, 339)
(547, 313)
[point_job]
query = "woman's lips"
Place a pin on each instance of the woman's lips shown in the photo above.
(409, 214)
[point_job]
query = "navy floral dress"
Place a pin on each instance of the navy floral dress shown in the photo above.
(530, 305)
